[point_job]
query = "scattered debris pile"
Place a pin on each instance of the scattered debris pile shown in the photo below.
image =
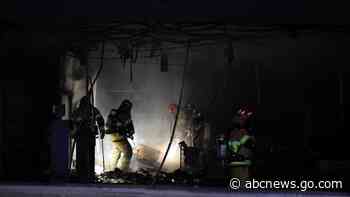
(146, 177)
(117, 176)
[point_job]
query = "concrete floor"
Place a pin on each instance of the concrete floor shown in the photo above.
(70, 190)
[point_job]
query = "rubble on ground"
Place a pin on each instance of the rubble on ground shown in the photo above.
(146, 177)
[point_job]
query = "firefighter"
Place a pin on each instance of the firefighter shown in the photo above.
(241, 144)
(84, 120)
(120, 127)
(241, 140)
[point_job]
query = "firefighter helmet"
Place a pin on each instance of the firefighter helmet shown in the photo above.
(126, 105)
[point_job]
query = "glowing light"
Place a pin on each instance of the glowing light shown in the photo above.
(173, 153)
(108, 149)
(98, 169)
(172, 161)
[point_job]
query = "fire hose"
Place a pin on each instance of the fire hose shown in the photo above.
(176, 116)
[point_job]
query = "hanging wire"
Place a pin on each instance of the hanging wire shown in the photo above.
(226, 79)
(100, 68)
(131, 72)
(176, 116)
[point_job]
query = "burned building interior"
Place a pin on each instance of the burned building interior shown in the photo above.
(191, 82)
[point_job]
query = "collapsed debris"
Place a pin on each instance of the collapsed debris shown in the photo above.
(145, 177)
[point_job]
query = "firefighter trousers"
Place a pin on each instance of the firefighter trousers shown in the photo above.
(85, 157)
(122, 152)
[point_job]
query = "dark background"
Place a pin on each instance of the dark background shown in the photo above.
(33, 38)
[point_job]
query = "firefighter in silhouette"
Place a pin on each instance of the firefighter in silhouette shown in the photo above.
(241, 145)
(84, 120)
(120, 127)
(241, 141)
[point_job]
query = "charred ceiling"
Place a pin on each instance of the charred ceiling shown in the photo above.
(150, 33)
(131, 34)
